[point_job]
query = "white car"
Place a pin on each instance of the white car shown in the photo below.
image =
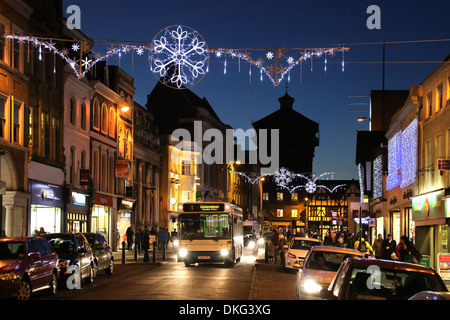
(319, 268)
(297, 250)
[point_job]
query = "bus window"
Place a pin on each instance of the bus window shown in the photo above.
(204, 226)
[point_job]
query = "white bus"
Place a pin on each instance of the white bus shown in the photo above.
(210, 232)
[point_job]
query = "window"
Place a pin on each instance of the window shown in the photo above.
(83, 116)
(72, 111)
(440, 93)
(72, 165)
(112, 122)
(2, 41)
(105, 119)
(294, 196)
(185, 195)
(96, 114)
(16, 54)
(430, 104)
(279, 213)
(95, 169)
(55, 138)
(428, 162)
(279, 196)
(17, 136)
(265, 196)
(104, 179)
(186, 168)
(2, 116)
(83, 160)
(294, 213)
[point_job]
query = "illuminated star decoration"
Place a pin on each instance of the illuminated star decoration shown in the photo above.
(75, 47)
(180, 55)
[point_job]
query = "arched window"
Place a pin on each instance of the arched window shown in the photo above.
(112, 122)
(104, 177)
(83, 115)
(72, 111)
(111, 175)
(129, 146)
(96, 115)
(72, 166)
(95, 169)
(121, 142)
(105, 123)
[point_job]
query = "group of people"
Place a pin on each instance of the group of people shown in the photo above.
(276, 245)
(386, 249)
(141, 238)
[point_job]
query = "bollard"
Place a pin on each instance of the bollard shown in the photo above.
(266, 254)
(154, 251)
(164, 250)
(123, 252)
(135, 251)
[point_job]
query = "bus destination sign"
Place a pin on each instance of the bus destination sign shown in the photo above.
(203, 207)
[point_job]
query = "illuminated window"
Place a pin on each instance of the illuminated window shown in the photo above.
(294, 213)
(440, 93)
(265, 196)
(294, 196)
(186, 168)
(2, 116)
(280, 213)
(105, 124)
(112, 122)
(96, 114)
(279, 196)
(429, 104)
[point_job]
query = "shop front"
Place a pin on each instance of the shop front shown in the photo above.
(124, 218)
(77, 212)
(46, 207)
(101, 215)
(430, 214)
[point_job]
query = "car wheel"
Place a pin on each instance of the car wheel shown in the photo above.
(90, 278)
(24, 292)
(53, 285)
(95, 269)
(110, 269)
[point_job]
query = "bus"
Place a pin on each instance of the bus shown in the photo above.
(210, 232)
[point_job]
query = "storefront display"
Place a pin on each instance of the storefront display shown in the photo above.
(101, 215)
(46, 207)
(77, 212)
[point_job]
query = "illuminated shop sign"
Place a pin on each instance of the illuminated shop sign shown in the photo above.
(78, 199)
(427, 206)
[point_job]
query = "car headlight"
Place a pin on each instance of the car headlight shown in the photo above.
(8, 276)
(176, 243)
(183, 253)
(251, 244)
(224, 252)
(292, 256)
(261, 241)
(310, 286)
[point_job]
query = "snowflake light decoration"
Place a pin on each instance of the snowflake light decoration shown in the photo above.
(283, 177)
(180, 56)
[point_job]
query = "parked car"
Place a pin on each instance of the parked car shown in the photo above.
(73, 250)
(373, 279)
(296, 251)
(103, 255)
(319, 268)
(431, 295)
(27, 264)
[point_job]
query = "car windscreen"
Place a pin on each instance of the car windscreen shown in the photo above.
(12, 250)
(327, 261)
(374, 283)
(298, 244)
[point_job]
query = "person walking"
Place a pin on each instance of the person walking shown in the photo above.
(145, 238)
(130, 234)
(407, 252)
(275, 239)
(378, 247)
(137, 240)
(389, 247)
(281, 244)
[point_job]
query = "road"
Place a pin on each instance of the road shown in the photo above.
(247, 280)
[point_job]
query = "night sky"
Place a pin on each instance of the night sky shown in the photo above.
(322, 97)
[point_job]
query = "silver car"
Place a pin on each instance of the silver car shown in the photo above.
(319, 269)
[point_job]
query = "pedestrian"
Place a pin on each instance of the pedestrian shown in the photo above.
(378, 247)
(363, 246)
(407, 251)
(327, 240)
(162, 238)
(41, 231)
(129, 234)
(349, 241)
(275, 239)
(137, 240)
(145, 239)
(3, 234)
(281, 244)
(389, 248)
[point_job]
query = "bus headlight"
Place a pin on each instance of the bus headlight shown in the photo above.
(224, 252)
(261, 241)
(183, 253)
(251, 244)
(176, 243)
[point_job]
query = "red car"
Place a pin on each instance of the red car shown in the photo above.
(27, 264)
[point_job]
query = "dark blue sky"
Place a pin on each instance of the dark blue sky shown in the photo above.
(294, 23)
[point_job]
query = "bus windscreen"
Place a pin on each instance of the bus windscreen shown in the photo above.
(204, 226)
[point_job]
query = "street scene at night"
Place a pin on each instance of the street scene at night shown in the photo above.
(224, 159)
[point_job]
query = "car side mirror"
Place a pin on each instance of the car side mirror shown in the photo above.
(34, 255)
(327, 294)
